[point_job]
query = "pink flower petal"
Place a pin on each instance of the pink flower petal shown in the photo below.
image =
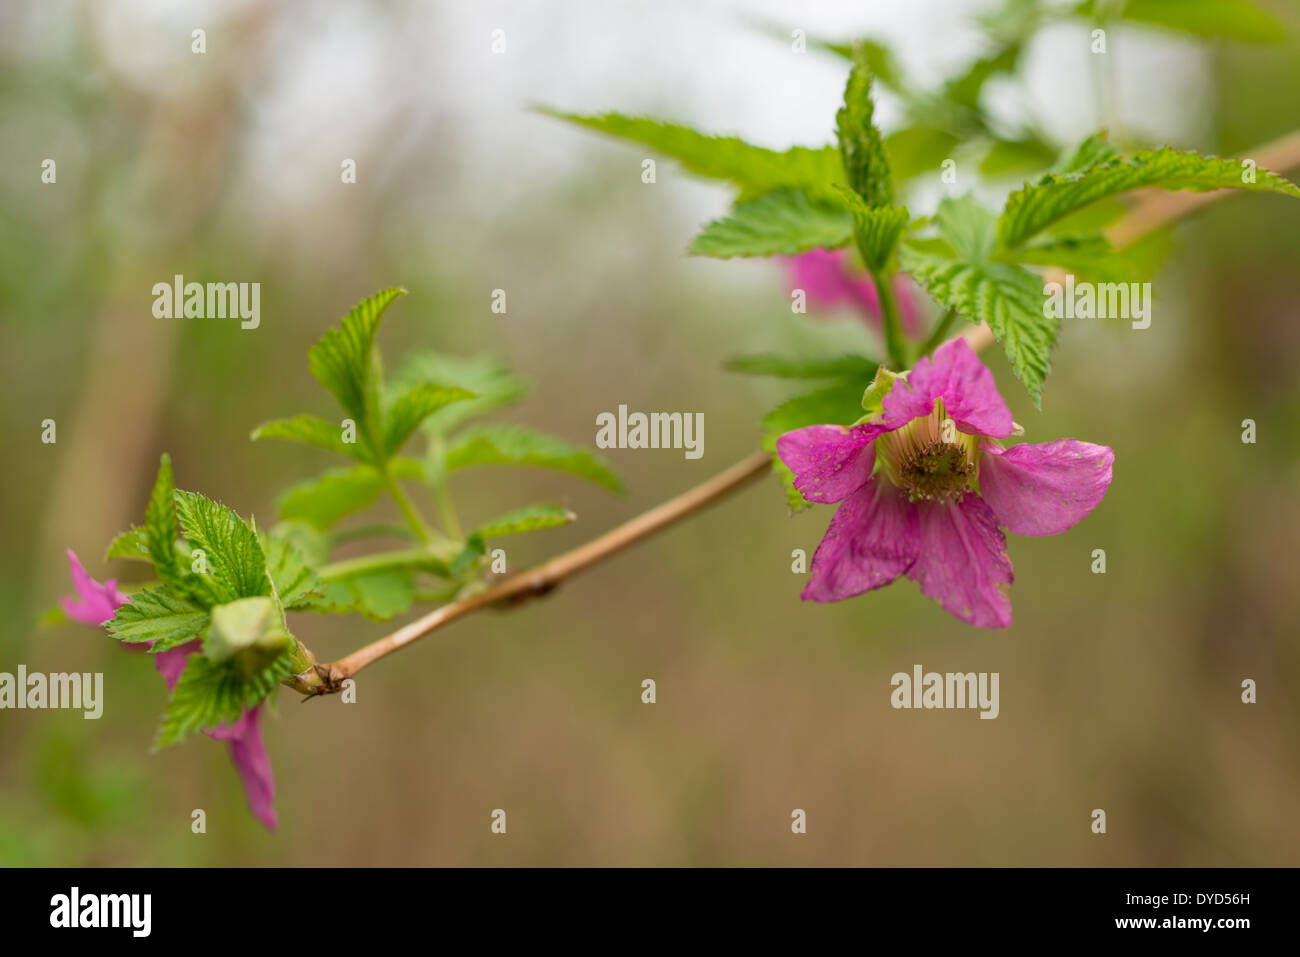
(830, 462)
(963, 561)
(248, 752)
(872, 539)
(171, 663)
(823, 276)
(94, 603)
(966, 387)
(1044, 489)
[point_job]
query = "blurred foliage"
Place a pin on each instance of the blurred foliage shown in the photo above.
(1119, 690)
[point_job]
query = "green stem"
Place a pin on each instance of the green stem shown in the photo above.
(889, 319)
(369, 531)
(446, 509)
(382, 561)
(939, 334)
(422, 531)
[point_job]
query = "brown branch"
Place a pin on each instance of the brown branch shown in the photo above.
(545, 577)
(1154, 209)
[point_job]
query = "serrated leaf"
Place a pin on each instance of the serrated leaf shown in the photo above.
(876, 230)
(1009, 298)
(797, 367)
(1055, 196)
(209, 695)
(1093, 150)
(324, 500)
(519, 445)
(131, 544)
(295, 582)
(345, 361)
(311, 543)
(1028, 154)
(839, 404)
(160, 526)
(530, 518)
(862, 151)
(491, 381)
(158, 615)
(313, 430)
(783, 223)
(233, 554)
(412, 406)
(968, 226)
(1091, 258)
(918, 149)
(381, 595)
(753, 169)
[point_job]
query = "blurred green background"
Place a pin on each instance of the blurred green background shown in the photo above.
(1118, 691)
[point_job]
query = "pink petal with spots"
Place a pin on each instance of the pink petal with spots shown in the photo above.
(830, 462)
(1044, 489)
(872, 539)
(966, 387)
(963, 561)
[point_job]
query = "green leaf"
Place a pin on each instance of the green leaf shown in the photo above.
(1014, 156)
(783, 223)
(1093, 150)
(877, 230)
(235, 561)
(873, 398)
(324, 500)
(753, 169)
(160, 526)
(488, 378)
(519, 445)
(381, 595)
(313, 430)
(1009, 298)
(295, 582)
(796, 367)
(530, 518)
(211, 694)
(132, 544)
(839, 404)
(413, 406)
(1226, 19)
(310, 542)
(158, 615)
(345, 361)
(861, 148)
(968, 227)
(919, 149)
(1055, 196)
(1091, 257)
(964, 90)
(249, 633)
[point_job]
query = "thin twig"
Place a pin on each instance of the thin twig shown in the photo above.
(1154, 210)
(545, 577)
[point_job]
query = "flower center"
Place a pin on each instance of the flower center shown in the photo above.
(928, 458)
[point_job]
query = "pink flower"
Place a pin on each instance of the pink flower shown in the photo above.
(927, 499)
(94, 603)
(825, 276)
(99, 603)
